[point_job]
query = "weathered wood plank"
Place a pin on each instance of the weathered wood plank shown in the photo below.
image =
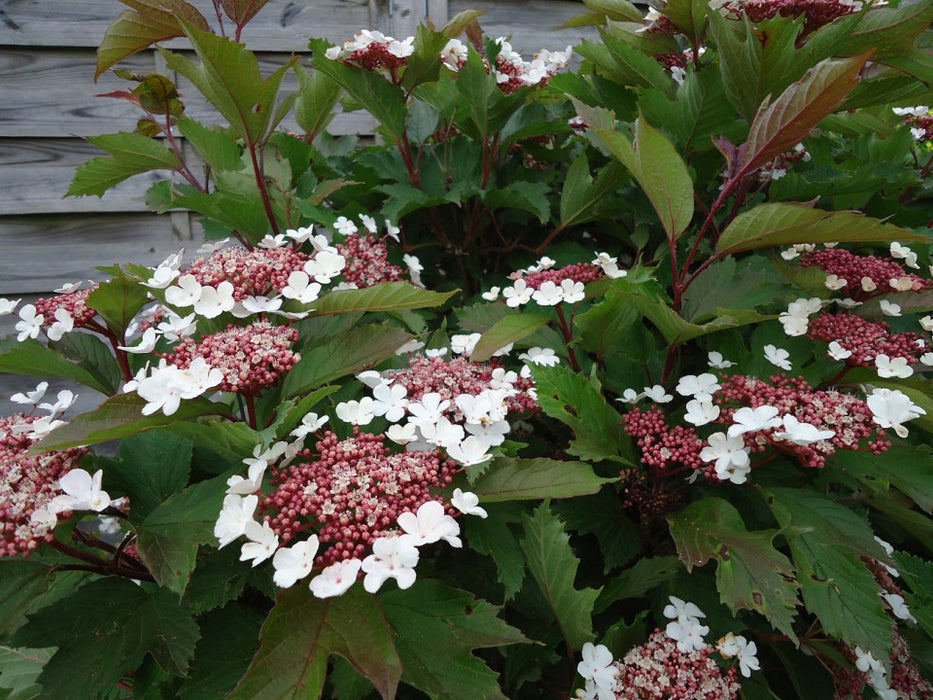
(35, 175)
(41, 253)
(50, 93)
(531, 24)
(283, 25)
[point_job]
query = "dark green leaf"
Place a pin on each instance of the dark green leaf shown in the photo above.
(750, 574)
(510, 329)
(215, 146)
(317, 98)
(91, 353)
(386, 296)
(301, 633)
(106, 629)
(510, 479)
(739, 62)
(553, 565)
(527, 196)
(27, 585)
(643, 576)
(689, 16)
(32, 358)
(435, 629)
(118, 301)
(602, 515)
(909, 469)
(20, 669)
(130, 154)
(232, 441)
(493, 536)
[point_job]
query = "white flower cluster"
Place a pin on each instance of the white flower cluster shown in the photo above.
(82, 491)
(543, 65)
(796, 318)
(38, 429)
(366, 38)
(550, 293)
(876, 673)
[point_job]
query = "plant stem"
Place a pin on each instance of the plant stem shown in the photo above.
(256, 154)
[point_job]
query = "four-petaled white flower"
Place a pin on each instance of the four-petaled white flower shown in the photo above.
(892, 367)
(262, 542)
(730, 455)
(187, 292)
(889, 308)
(701, 412)
(548, 294)
(837, 352)
(546, 357)
(355, 412)
(701, 387)
(31, 397)
(779, 357)
(572, 291)
(467, 503)
(146, 344)
(801, 433)
(392, 557)
(688, 633)
(390, 400)
(234, 514)
(492, 294)
(293, 563)
(301, 234)
(215, 300)
(345, 226)
(716, 361)
(29, 323)
(301, 288)
(518, 294)
(336, 579)
(597, 666)
(8, 306)
(325, 265)
(657, 393)
(430, 524)
(64, 323)
(63, 401)
(82, 492)
(891, 408)
(680, 608)
(744, 651)
(469, 451)
(463, 344)
(747, 420)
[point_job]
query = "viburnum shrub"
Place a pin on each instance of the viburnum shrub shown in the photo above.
(603, 374)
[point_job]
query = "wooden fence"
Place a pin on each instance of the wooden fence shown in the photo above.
(48, 105)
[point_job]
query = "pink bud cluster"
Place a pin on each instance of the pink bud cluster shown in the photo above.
(250, 357)
(255, 272)
(75, 303)
(451, 378)
(854, 268)
(578, 272)
(845, 414)
(816, 12)
(351, 492)
(865, 339)
(906, 680)
(372, 50)
(27, 483)
(658, 670)
(662, 446)
(367, 261)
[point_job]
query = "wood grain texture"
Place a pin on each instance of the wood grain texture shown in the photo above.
(282, 25)
(41, 253)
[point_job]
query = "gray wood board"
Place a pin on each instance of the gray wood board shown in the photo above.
(531, 24)
(41, 253)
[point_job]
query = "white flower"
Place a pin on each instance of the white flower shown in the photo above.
(430, 524)
(29, 323)
(175, 327)
(257, 469)
(801, 433)
(896, 367)
(235, 513)
(744, 650)
(64, 400)
(64, 323)
(336, 579)
(325, 265)
(300, 234)
(146, 344)
(262, 542)
(345, 226)
(678, 609)
(310, 423)
(293, 563)
(82, 492)
(597, 666)
(701, 387)
(716, 361)
(469, 451)
(890, 309)
(917, 111)
(546, 357)
(518, 294)
(392, 557)
(891, 408)
(207, 248)
(631, 396)
(898, 607)
(926, 323)
(657, 394)
(392, 231)
(187, 293)
(464, 344)
(849, 303)
(688, 633)
(215, 300)
(868, 284)
(732, 461)
(837, 352)
(701, 412)
(429, 409)
(369, 222)
(901, 284)
(356, 412)
(548, 294)
(261, 305)
(777, 357)
(270, 242)
(609, 265)
(747, 420)
(572, 291)
(390, 400)
(31, 397)
(414, 268)
(301, 288)
(402, 434)
(904, 253)
(834, 282)
(443, 433)
(927, 359)
(7, 306)
(492, 294)
(467, 503)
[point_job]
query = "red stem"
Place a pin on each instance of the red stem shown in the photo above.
(256, 154)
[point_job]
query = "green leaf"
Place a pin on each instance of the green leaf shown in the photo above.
(661, 172)
(130, 154)
(301, 633)
(909, 469)
(750, 573)
(603, 326)
(149, 22)
(689, 16)
(118, 301)
(890, 30)
(27, 585)
(317, 99)
(91, 353)
(625, 64)
(229, 637)
(425, 63)
(616, 9)
(577, 402)
(386, 296)
(643, 576)
(20, 669)
(778, 223)
(149, 468)
(232, 441)
(493, 536)
(489, 108)
(918, 573)
(527, 196)
(509, 479)
(603, 516)
(510, 329)
(436, 628)
(553, 565)
(104, 630)
(381, 98)
(580, 198)
(118, 417)
(739, 61)
(347, 353)
(33, 358)
(826, 542)
(215, 146)
(780, 125)
(168, 538)
(229, 77)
